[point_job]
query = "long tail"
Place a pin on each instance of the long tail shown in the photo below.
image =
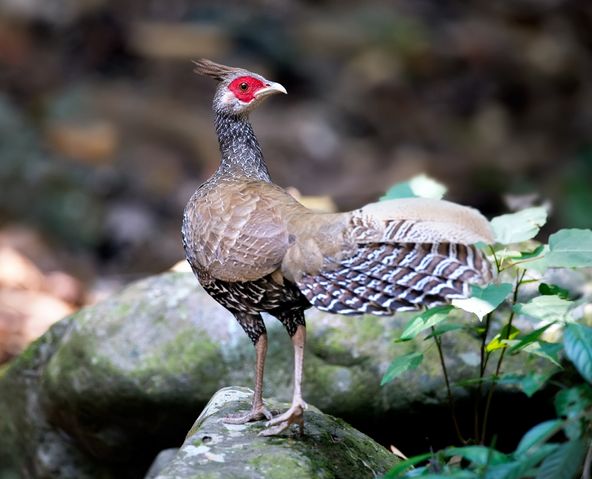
(382, 278)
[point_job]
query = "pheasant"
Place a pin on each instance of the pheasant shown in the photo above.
(254, 248)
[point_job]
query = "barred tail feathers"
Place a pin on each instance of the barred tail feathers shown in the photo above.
(382, 278)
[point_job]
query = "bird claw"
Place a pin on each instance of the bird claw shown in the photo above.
(255, 414)
(294, 415)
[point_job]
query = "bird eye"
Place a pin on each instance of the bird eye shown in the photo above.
(243, 86)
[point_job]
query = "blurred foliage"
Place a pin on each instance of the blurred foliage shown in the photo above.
(105, 131)
(42, 189)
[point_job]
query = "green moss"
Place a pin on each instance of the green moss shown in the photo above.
(121, 309)
(211, 475)
(284, 466)
(330, 448)
(183, 353)
(40, 349)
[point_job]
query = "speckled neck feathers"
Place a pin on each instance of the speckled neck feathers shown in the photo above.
(241, 153)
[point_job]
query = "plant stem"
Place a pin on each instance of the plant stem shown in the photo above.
(497, 263)
(438, 342)
(484, 355)
(482, 367)
(519, 279)
(516, 263)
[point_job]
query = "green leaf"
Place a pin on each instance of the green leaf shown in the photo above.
(510, 470)
(425, 320)
(521, 466)
(545, 308)
(454, 474)
(538, 435)
(499, 341)
(419, 186)
(571, 403)
(445, 328)
(570, 248)
(400, 190)
(543, 349)
(484, 300)
(480, 455)
(400, 365)
(553, 289)
(577, 340)
(528, 339)
(532, 254)
(564, 462)
(528, 383)
(405, 465)
(520, 226)
(426, 187)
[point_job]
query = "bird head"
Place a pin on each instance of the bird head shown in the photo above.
(239, 91)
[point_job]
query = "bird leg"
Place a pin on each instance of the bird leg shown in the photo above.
(294, 415)
(258, 410)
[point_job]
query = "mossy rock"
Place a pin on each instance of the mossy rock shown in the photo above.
(121, 380)
(30, 446)
(329, 447)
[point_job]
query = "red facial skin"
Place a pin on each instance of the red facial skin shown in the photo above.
(245, 94)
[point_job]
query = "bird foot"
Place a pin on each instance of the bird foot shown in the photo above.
(294, 415)
(255, 414)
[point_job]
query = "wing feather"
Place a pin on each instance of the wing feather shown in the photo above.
(423, 220)
(240, 233)
(401, 255)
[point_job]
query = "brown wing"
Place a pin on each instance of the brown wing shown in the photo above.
(240, 234)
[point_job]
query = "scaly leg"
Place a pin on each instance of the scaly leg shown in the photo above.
(258, 410)
(294, 415)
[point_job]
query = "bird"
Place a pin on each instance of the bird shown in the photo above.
(255, 249)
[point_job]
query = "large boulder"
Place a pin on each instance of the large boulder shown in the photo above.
(110, 386)
(31, 447)
(330, 448)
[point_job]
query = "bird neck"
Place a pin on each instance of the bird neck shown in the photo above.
(241, 153)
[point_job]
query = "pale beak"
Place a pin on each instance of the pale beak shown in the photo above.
(270, 89)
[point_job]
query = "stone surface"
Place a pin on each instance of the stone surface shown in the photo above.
(120, 381)
(31, 447)
(329, 448)
(162, 460)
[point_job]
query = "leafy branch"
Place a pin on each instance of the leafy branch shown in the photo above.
(506, 334)
(518, 257)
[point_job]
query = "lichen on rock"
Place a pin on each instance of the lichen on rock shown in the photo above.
(329, 447)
